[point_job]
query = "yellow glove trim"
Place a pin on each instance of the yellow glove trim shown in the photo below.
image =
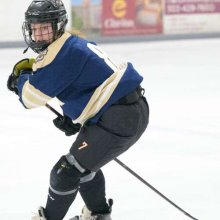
(25, 64)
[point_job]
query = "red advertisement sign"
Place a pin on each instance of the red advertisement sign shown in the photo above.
(124, 17)
(191, 6)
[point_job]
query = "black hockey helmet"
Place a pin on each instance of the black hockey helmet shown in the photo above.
(44, 11)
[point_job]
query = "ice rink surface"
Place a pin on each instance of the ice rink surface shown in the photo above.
(179, 154)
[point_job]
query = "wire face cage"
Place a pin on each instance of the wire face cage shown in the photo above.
(38, 36)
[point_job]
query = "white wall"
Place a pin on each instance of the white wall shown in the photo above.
(12, 17)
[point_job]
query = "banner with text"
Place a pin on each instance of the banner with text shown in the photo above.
(126, 17)
(191, 16)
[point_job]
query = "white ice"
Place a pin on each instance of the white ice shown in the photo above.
(179, 154)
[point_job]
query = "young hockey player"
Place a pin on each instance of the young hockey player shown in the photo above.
(102, 101)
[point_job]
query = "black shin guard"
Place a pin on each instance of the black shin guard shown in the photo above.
(93, 194)
(57, 205)
(64, 183)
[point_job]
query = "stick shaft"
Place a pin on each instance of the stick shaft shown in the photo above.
(54, 111)
(153, 188)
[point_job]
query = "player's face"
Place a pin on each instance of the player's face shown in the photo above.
(42, 32)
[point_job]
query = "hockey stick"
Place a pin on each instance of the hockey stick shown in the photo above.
(154, 189)
(53, 110)
(136, 175)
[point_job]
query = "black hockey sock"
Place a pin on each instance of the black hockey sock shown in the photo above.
(93, 194)
(58, 205)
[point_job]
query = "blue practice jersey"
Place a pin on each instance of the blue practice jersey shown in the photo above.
(80, 75)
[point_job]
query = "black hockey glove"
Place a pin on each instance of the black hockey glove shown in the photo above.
(66, 125)
(18, 69)
(12, 83)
